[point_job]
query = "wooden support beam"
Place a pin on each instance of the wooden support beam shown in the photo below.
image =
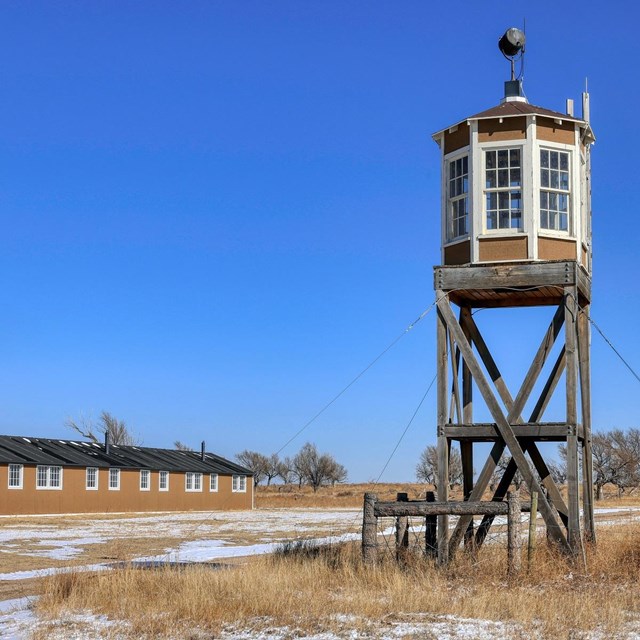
(471, 330)
(443, 443)
(466, 447)
(548, 482)
(489, 431)
(549, 387)
(506, 275)
(584, 349)
(571, 378)
(482, 483)
(508, 436)
(536, 365)
(455, 387)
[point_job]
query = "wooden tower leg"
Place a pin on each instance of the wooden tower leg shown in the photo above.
(466, 446)
(443, 445)
(573, 484)
(584, 349)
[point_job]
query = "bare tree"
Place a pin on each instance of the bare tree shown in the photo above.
(272, 468)
(316, 469)
(286, 471)
(427, 467)
(501, 467)
(118, 431)
(256, 462)
(181, 446)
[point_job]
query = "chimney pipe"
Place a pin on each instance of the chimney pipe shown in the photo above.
(202, 448)
(107, 442)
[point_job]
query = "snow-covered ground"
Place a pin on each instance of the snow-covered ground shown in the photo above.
(210, 537)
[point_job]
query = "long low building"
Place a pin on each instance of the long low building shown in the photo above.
(42, 475)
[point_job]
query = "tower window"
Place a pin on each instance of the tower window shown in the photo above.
(554, 190)
(503, 189)
(458, 205)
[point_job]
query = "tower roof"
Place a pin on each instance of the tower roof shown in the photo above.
(513, 109)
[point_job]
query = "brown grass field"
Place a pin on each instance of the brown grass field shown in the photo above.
(314, 590)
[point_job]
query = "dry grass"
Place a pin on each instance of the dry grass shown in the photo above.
(307, 589)
(351, 495)
(340, 496)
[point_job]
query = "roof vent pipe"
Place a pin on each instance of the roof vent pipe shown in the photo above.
(202, 448)
(107, 442)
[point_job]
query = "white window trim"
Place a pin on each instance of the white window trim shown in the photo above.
(238, 484)
(574, 183)
(213, 482)
(117, 472)
(86, 481)
(193, 475)
(495, 146)
(145, 473)
(160, 487)
(20, 476)
(449, 158)
(48, 486)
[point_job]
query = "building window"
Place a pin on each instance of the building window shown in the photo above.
(458, 205)
(213, 482)
(114, 479)
(92, 478)
(239, 484)
(193, 481)
(163, 481)
(48, 477)
(145, 479)
(554, 190)
(15, 476)
(503, 189)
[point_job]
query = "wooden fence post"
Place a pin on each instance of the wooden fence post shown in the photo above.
(514, 541)
(431, 523)
(402, 530)
(531, 543)
(369, 529)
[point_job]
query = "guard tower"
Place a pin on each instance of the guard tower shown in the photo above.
(516, 232)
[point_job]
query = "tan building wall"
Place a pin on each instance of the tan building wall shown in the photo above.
(496, 249)
(74, 497)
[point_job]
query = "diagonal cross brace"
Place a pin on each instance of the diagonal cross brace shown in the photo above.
(502, 423)
(514, 412)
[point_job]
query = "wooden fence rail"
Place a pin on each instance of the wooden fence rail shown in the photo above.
(430, 509)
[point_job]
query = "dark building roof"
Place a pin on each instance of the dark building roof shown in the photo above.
(73, 453)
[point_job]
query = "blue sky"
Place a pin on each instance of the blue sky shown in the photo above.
(215, 214)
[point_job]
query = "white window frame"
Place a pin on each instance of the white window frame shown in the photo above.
(238, 484)
(213, 482)
(569, 193)
(48, 473)
(145, 480)
(496, 147)
(165, 475)
(463, 197)
(20, 469)
(88, 487)
(114, 472)
(193, 481)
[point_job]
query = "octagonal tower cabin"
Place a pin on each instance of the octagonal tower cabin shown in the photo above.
(516, 184)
